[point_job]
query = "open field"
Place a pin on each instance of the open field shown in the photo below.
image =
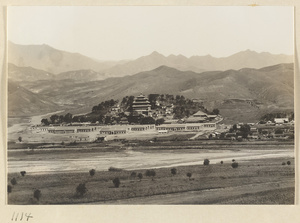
(259, 179)
(263, 181)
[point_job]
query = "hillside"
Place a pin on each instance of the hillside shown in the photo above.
(16, 73)
(51, 60)
(82, 75)
(247, 93)
(29, 75)
(22, 102)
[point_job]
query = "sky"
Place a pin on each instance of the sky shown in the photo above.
(129, 32)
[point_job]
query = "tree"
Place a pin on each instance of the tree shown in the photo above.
(245, 130)
(189, 175)
(153, 99)
(234, 165)
(133, 174)
(234, 127)
(206, 162)
(140, 176)
(216, 111)
(107, 120)
(45, 121)
(13, 181)
(116, 182)
(173, 171)
(81, 189)
(54, 119)
(92, 172)
(151, 173)
(288, 162)
(221, 162)
(37, 194)
(68, 118)
(9, 188)
(20, 139)
(23, 173)
(147, 120)
(159, 121)
(278, 131)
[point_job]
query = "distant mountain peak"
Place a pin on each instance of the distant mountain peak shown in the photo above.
(155, 53)
(164, 67)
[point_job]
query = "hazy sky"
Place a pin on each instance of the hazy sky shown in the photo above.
(124, 32)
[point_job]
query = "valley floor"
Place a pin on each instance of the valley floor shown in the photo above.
(257, 181)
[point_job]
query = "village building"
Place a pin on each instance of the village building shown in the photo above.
(187, 127)
(61, 130)
(124, 129)
(86, 129)
(113, 130)
(135, 128)
(141, 105)
(199, 117)
(281, 120)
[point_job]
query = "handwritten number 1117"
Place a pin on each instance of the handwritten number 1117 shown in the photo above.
(21, 216)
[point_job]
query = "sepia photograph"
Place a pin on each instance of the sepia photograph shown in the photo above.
(150, 105)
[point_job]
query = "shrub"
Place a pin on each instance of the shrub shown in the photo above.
(140, 176)
(13, 181)
(9, 188)
(173, 171)
(92, 172)
(283, 163)
(234, 165)
(221, 162)
(288, 162)
(37, 194)
(189, 175)
(23, 173)
(133, 174)
(81, 189)
(116, 182)
(233, 160)
(151, 173)
(114, 169)
(206, 162)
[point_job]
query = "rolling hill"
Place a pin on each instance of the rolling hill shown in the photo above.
(16, 73)
(28, 75)
(22, 102)
(244, 94)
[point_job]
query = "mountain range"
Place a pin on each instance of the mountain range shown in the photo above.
(54, 61)
(246, 93)
(49, 59)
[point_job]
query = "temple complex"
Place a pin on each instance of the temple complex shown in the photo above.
(141, 105)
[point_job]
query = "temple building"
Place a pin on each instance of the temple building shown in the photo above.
(141, 105)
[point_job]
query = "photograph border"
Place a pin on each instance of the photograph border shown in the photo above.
(148, 213)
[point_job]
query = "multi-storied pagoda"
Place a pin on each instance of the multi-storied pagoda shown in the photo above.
(142, 105)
